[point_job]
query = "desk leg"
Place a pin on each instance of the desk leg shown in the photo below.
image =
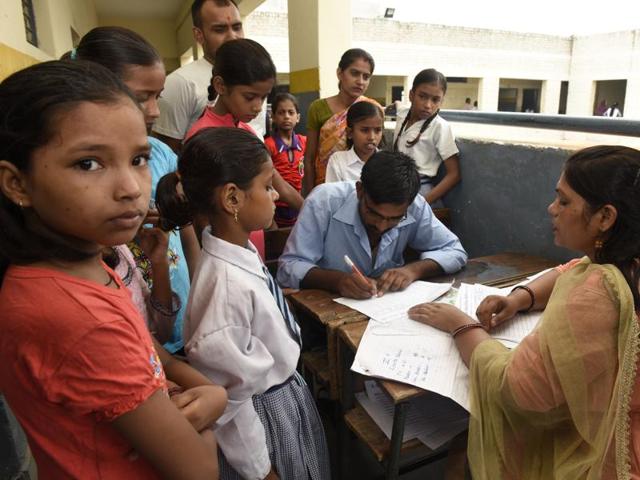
(345, 360)
(399, 418)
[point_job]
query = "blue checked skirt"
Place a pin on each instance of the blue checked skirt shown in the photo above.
(294, 433)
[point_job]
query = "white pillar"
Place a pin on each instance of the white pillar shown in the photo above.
(550, 98)
(488, 93)
(632, 99)
(581, 96)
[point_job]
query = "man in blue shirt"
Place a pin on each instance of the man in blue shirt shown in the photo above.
(372, 222)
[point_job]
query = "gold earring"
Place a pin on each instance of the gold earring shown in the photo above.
(598, 244)
(235, 215)
(20, 203)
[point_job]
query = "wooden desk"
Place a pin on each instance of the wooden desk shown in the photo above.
(316, 308)
(499, 270)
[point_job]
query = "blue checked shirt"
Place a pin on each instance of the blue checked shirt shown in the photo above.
(329, 227)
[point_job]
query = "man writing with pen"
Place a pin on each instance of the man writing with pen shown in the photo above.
(372, 222)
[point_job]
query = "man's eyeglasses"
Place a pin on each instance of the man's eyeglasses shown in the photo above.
(381, 218)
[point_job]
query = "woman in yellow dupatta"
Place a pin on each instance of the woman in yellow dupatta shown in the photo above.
(327, 117)
(564, 404)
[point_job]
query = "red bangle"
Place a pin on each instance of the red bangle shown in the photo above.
(464, 328)
(531, 294)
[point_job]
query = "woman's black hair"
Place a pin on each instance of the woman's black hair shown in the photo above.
(241, 62)
(115, 48)
(31, 103)
(350, 56)
(430, 76)
(610, 175)
(211, 158)
(359, 111)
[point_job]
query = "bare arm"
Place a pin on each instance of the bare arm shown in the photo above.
(496, 309)
(287, 193)
(174, 143)
(349, 285)
(191, 248)
(158, 432)
(309, 179)
(451, 178)
(203, 402)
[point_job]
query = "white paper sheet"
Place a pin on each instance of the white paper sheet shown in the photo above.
(400, 349)
(387, 307)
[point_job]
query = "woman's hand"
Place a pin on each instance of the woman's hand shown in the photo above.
(442, 316)
(154, 243)
(495, 310)
(201, 405)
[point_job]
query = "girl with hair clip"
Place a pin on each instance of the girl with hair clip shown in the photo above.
(80, 370)
(239, 330)
(287, 149)
(140, 67)
(365, 122)
(243, 76)
(327, 117)
(427, 138)
(566, 402)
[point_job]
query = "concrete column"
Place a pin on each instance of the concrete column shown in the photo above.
(488, 92)
(632, 99)
(550, 97)
(317, 39)
(580, 97)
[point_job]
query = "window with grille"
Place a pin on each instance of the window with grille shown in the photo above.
(29, 22)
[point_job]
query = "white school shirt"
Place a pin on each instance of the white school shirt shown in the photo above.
(234, 334)
(185, 97)
(344, 166)
(436, 144)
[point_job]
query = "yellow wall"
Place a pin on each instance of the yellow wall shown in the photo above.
(159, 32)
(54, 21)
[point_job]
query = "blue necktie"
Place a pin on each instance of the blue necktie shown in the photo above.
(289, 320)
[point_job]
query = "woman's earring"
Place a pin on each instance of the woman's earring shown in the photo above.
(20, 203)
(235, 215)
(598, 244)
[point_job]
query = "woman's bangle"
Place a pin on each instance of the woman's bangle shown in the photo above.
(464, 328)
(531, 294)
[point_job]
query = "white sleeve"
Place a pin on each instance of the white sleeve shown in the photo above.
(333, 169)
(232, 357)
(444, 141)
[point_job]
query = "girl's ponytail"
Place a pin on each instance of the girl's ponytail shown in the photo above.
(173, 207)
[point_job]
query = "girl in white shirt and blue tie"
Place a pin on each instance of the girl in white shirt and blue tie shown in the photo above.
(238, 329)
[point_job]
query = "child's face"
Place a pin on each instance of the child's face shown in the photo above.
(91, 182)
(286, 116)
(259, 204)
(366, 135)
(146, 83)
(426, 99)
(355, 79)
(244, 102)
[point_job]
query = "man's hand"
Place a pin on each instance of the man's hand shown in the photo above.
(354, 285)
(396, 279)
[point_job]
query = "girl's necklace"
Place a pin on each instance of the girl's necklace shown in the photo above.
(109, 282)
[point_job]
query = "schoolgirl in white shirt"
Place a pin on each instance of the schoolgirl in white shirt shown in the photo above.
(238, 329)
(365, 122)
(426, 137)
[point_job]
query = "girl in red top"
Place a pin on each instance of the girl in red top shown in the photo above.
(79, 369)
(286, 148)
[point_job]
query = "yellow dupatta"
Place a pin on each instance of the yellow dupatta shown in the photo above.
(557, 406)
(332, 138)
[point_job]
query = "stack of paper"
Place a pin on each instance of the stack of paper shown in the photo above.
(432, 419)
(397, 348)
